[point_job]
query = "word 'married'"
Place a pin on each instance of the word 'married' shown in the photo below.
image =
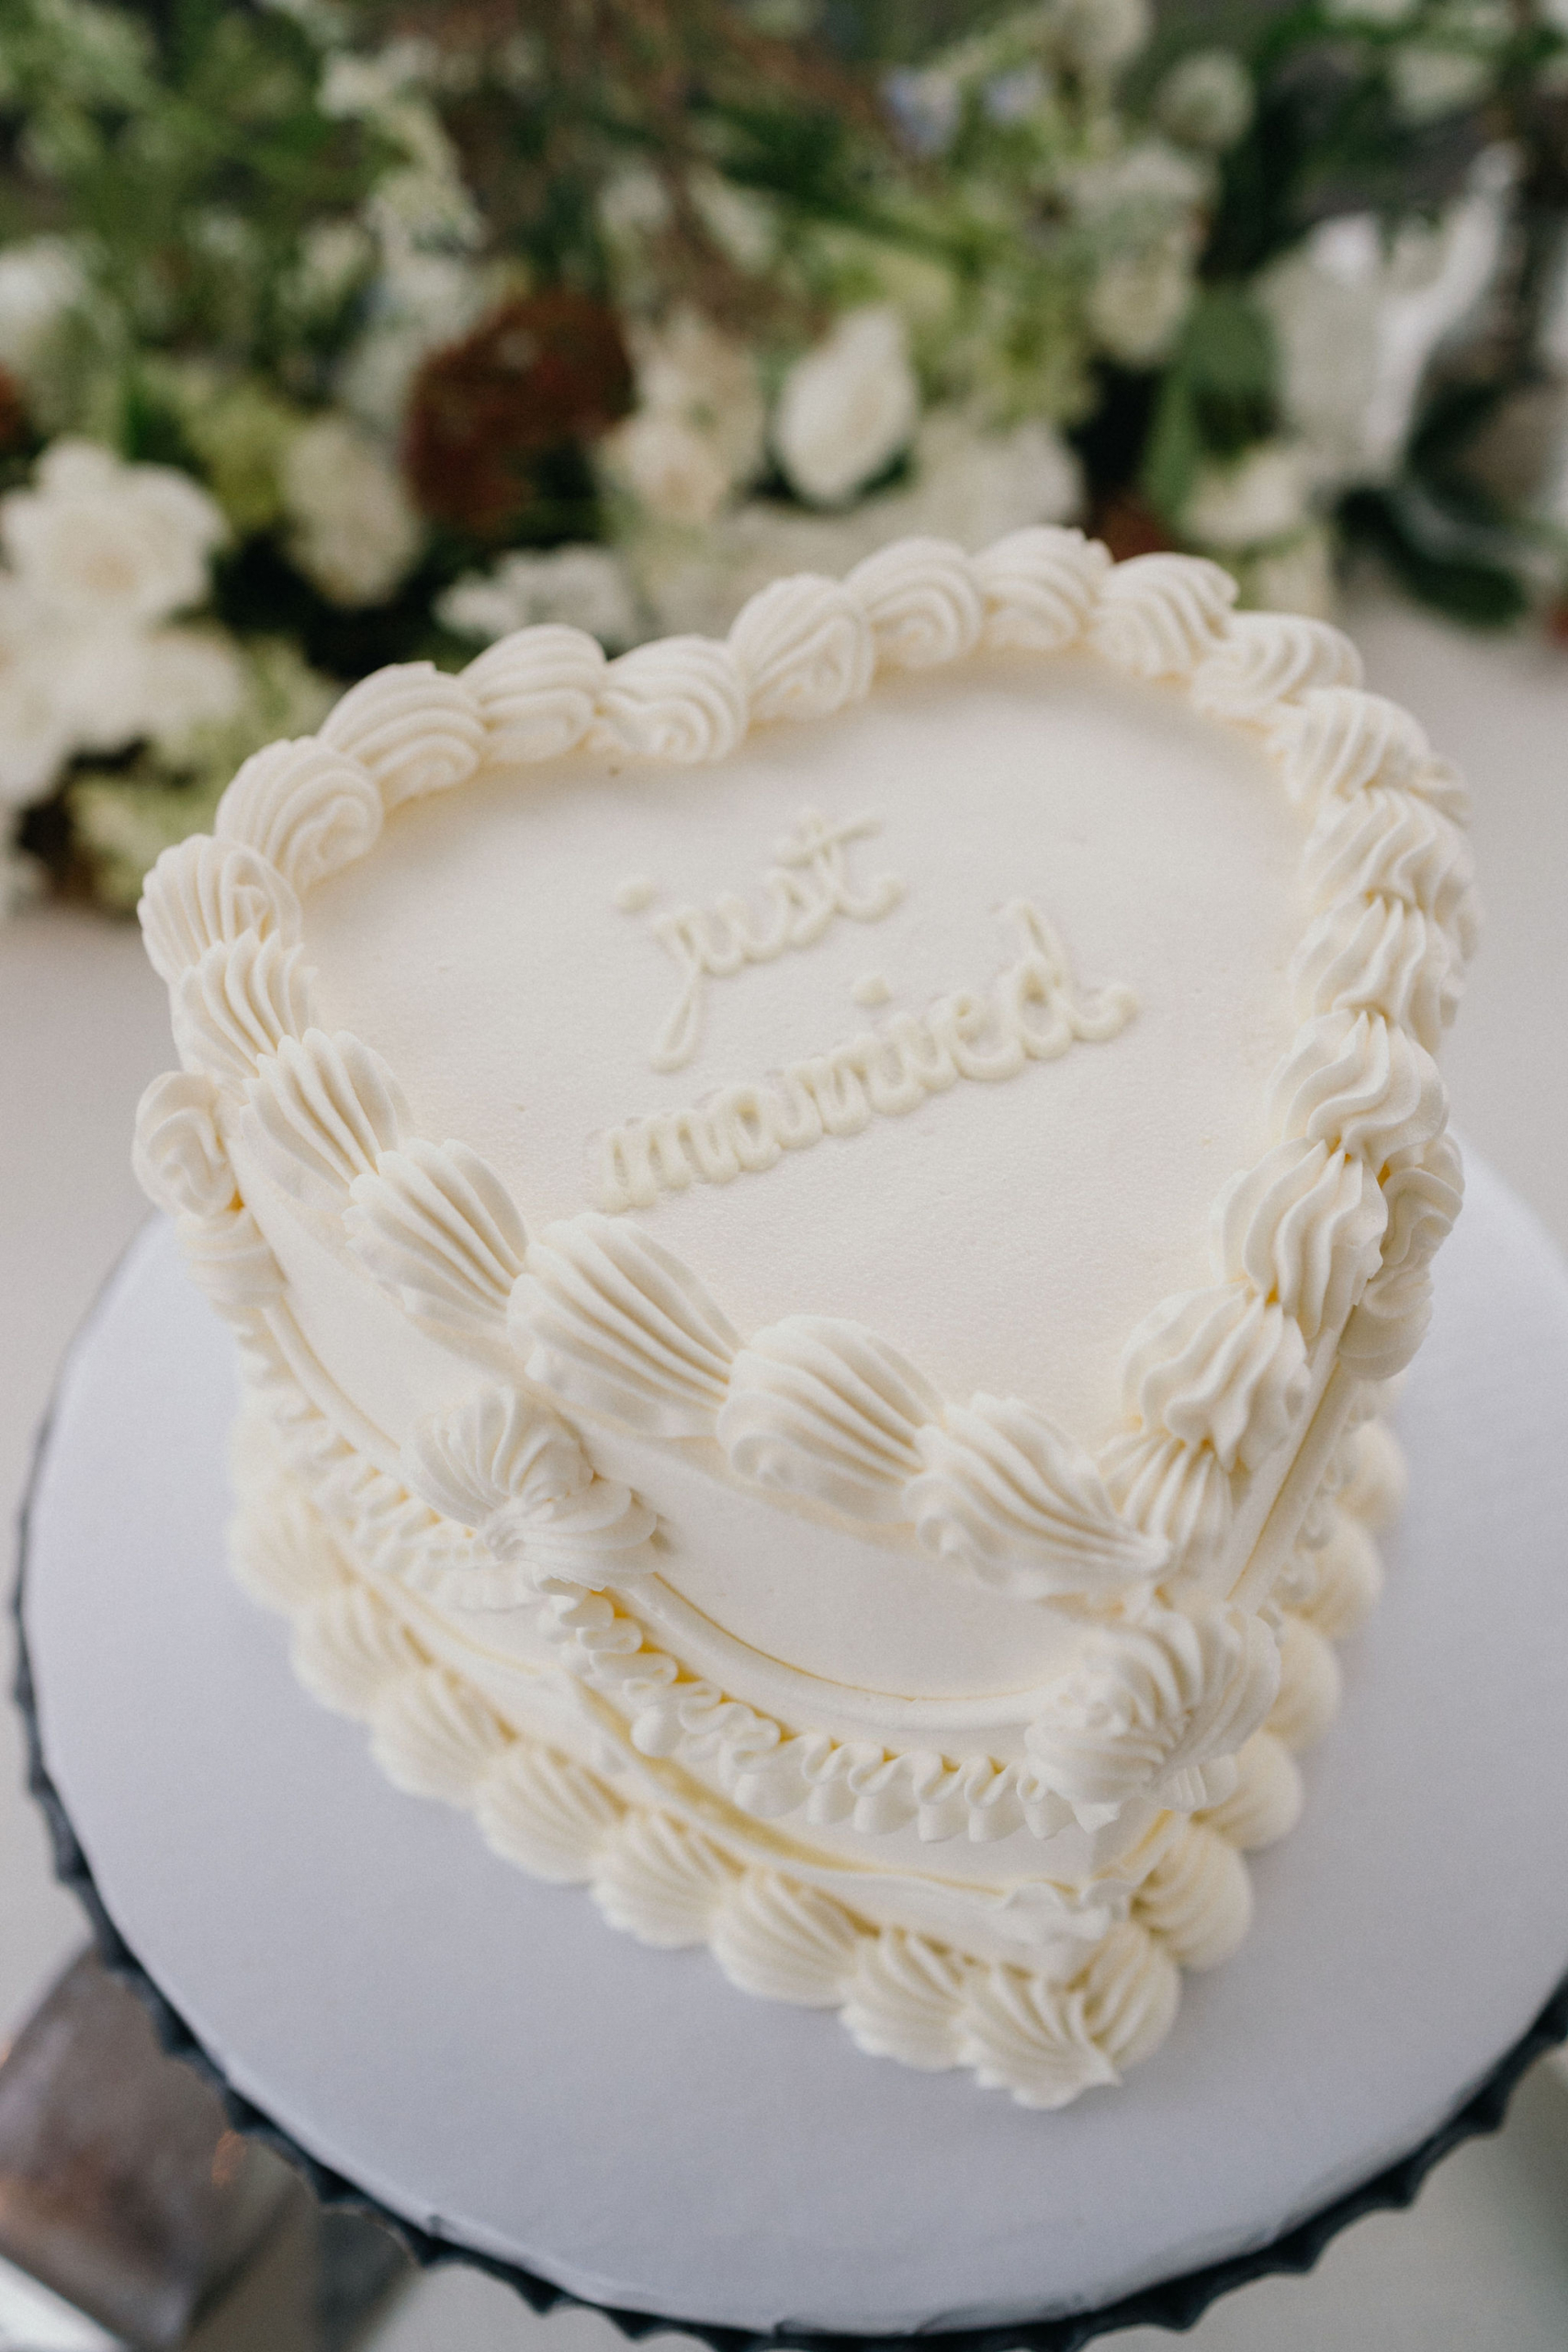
(1033, 1011)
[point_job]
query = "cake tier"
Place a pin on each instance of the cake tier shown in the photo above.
(762, 1365)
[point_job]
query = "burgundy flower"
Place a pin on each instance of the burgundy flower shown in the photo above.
(543, 373)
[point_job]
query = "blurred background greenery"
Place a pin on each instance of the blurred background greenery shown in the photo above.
(336, 333)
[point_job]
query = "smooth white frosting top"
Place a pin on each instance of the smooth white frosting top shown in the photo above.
(1004, 1236)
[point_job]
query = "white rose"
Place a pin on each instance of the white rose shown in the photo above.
(1262, 496)
(972, 486)
(1139, 298)
(38, 283)
(97, 540)
(969, 485)
(848, 408)
(354, 531)
(583, 586)
(1207, 100)
(1431, 82)
(1357, 323)
(1104, 34)
(674, 472)
(692, 371)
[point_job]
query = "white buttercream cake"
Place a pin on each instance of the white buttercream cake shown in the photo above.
(815, 1224)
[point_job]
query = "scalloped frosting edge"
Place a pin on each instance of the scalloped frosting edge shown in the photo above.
(655, 1874)
(1214, 1381)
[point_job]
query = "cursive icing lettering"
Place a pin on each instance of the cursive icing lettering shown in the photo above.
(1033, 1011)
(803, 891)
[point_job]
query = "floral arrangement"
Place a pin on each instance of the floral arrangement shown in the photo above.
(333, 336)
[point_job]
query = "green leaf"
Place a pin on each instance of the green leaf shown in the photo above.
(1174, 451)
(1481, 594)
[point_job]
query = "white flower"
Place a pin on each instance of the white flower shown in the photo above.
(110, 685)
(1142, 189)
(1014, 96)
(974, 487)
(743, 223)
(693, 371)
(1103, 34)
(1430, 83)
(1207, 100)
(40, 282)
(633, 203)
(333, 256)
(968, 485)
(925, 104)
(1358, 321)
(97, 540)
(674, 472)
(352, 532)
(583, 586)
(1262, 496)
(848, 408)
(1139, 300)
(191, 678)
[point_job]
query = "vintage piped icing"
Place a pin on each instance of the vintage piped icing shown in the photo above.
(816, 1224)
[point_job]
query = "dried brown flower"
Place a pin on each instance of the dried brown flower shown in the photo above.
(543, 373)
(16, 426)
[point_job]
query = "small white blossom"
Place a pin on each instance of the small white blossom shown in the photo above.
(743, 223)
(1370, 12)
(633, 203)
(583, 586)
(99, 541)
(1430, 83)
(848, 408)
(1104, 35)
(1013, 97)
(40, 282)
(1139, 300)
(1207, 100)
(674, 472)
(968, 485)
(690, 369)
(925, 104)
(1143, 185)
(353, 530)
(191, 678)
(333, 256)
(1262, 496)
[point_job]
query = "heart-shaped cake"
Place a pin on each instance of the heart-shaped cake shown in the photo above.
(815, 1224)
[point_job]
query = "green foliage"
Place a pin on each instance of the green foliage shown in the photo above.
(188, 167)
(1218, 394)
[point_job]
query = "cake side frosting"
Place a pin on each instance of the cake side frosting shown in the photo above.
(567, 1397)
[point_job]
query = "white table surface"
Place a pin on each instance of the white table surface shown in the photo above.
(83, 1026)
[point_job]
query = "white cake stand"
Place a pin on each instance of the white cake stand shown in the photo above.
(483, 2056)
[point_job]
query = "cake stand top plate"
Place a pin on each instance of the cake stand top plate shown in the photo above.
(480, 2052)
